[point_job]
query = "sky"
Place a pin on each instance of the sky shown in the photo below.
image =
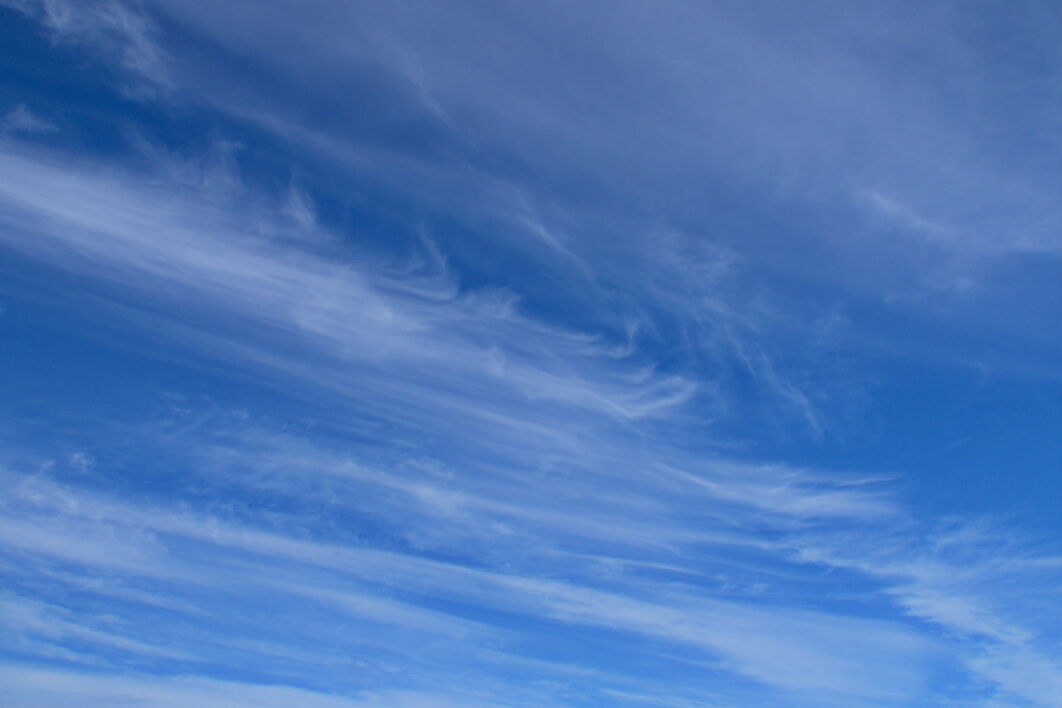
(484, 353)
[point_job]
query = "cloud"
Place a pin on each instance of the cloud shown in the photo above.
(112, 29)
(896, 214)
(768, 644)
(48, 629)
(479, 357)
(34, 686)
(413, 334)
(307, 295)
(968, 579)
(557, 475)
(22, 119)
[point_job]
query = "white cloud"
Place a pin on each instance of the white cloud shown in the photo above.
(198, 258)
(112, 29)
(22, 119)
(768, 644)
(500, 465)
(974, 581)
(33, 686)
(547, 396)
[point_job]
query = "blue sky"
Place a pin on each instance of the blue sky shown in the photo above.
(466, 354)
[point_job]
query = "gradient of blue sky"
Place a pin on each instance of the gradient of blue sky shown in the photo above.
(417, 354)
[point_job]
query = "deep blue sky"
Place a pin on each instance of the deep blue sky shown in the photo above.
(424, 354)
